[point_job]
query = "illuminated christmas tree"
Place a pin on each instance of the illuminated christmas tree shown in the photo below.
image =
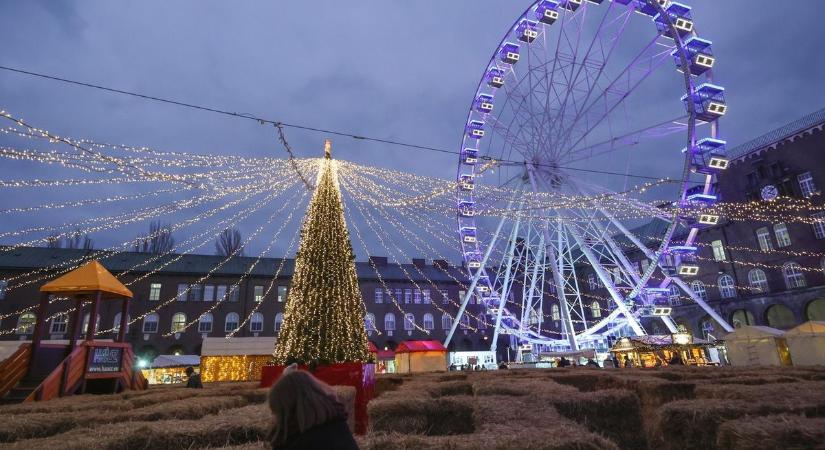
(324, 317)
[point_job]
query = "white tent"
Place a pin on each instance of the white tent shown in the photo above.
(807, 343)
(757, 346)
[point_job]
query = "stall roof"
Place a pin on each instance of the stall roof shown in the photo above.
(753, 332)
(238, 346)
(420, 346)
(384, 355)
(86, 279)
(373, 348)
(176, 361)
(807, 328)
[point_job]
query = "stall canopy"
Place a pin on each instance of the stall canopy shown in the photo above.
(87, 279)
(807, 343)
(420, 356)
(757, 346)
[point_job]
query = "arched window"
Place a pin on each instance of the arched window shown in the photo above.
(591, 281)
(446, 321)
(554, 312)
(256, 323)
(429, 323)
(758, 281)
(389, 321)
(780, 316)
(596, 310)
(727, 289)
(60, 323)
(279, 321)
(205, 323)
(231, 322)
(150, 323)
(116, 323)
(794, 278)
(85, 327)
(465, 322)
(706, 325)
(816, 310)
(25, 324)
(741, 318)
(369, 322)
(482, 325)
(698, 288)
(822, 263)
(409, 322)
(178, 322)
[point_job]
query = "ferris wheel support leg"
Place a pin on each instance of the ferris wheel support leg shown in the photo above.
(558, 277)
(505, 289)
(670, 324)
(474, 282)
(605, 279)
(711, 312)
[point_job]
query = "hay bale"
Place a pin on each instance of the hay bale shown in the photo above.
(448, 388)
(522, 386)
(190, 408)
(385, 383)
(346, 395)
(429, 416)
(770, 432)
(583, 380)
(458, 376)
(615, 413)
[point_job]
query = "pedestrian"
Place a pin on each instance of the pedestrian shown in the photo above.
(307, 414)
(563, 362)
(628, 363)
(193, 380)
(503, 366)
(592, 363)
(676, 360)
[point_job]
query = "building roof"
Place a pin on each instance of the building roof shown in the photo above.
(784, 132)
(37, 257)
(89, 278)
(176, 361)
(420, 346)
(811, 327)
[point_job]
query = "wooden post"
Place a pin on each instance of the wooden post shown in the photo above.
(124, 321)
(90, 332)
(77, 318)
(39, 326)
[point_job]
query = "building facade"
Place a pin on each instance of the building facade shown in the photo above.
(181, 299)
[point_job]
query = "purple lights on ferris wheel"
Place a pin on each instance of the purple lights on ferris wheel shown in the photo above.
(709, 156)
(547, 11)
(709, 102)
(679, 16)
(475, 129)
(509, 53)
(494, 78)
(527, 31)
(699, 55)
(484, 103)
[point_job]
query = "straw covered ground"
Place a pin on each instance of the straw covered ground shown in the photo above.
(669, 408)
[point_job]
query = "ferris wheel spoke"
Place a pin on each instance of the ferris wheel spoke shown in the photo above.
(628, 140)
(617, 91)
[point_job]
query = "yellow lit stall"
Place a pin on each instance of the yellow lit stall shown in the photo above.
(235, 359)
(662, 350)
(168, 369)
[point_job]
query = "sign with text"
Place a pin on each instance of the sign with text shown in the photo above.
(105, 359)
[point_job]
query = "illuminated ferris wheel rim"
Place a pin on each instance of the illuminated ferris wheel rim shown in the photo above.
(703, 101)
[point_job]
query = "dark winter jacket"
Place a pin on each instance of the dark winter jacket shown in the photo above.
(333, 435)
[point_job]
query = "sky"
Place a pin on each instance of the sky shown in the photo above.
(403, 71)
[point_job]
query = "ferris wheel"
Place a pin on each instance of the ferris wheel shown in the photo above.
(566, 217)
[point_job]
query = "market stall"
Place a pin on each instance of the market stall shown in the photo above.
(236, 359)
(806, 343)
(663, 350)
(420, 356)
(168, 369)
(757, 346)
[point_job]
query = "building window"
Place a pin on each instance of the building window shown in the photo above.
(673, 294)
(258, 292)
(818, 224)
(231, 322)
(208, 293)
(409, 322)
(445, 297)
(85, 325)
(645, 265)
(591, 281)
(780, 316)
(116, 323)
(150, 323)
(482, 325)
(464, 323)
(783, 238)
(407, 296)
(555, 313)
(389, 322)
(205, 323)
(220, 293)
(426, 296)
(196, 292)
(742, 317)
(234, 293)
(369, 322)
(398, 295)
(417, 296)
(25, 324)
(428, 322)
(763, 236)
(279, 321)
(758, 281)
(379, 295)
(806, 184)
(699, 290)
(794, 278)
(256, 323)
(183, 290)
(718, 251)
(3, 287)
(154, 292)
(281, 294)
(596, 310)
(727, 288)
(461, 295)
(178, 322)
(446, 321)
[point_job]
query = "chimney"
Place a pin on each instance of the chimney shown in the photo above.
(378, 261)
(441, 264)
(420, 263)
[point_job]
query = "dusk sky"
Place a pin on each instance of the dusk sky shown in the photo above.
(405, 71)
